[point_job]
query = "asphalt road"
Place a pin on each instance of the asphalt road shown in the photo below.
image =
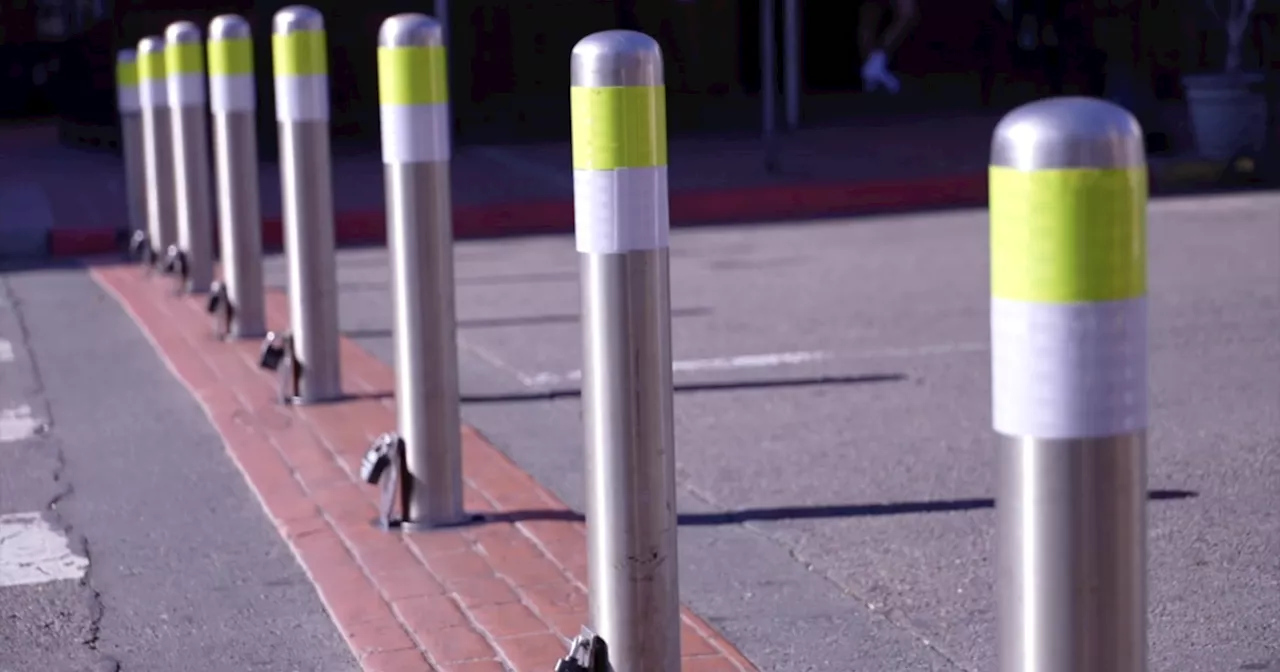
(836, 481)
(128, 541)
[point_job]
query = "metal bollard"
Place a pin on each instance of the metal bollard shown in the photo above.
(413, 92)
(129, 106)
(232, 100)
(1069, 379)
(621, 218)
(157, 143)
(300, 60)
(192, 257)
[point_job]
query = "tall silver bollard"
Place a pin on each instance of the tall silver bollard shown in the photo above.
(192, 257)
(301, 67)
(1069, 367)
(232, 100)
(413, 92)
(129, 106)
(157, 143)
(618, 103)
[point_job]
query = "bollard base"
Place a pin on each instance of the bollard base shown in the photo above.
(219, 305)
(385, 465)
(587, 653)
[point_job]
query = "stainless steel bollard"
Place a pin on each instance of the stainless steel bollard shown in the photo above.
(1069, 375)
(188, 108)
(232, 100)
(621, 216)
(157, 143)
(129, 106)
(413, 92)
(300, 61)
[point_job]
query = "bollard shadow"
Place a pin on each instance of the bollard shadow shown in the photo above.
(525, 321)
(808, 512)
(692, 388)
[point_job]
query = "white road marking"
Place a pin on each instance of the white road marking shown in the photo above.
(33, 552)
(17, 424)
(6, 351)
(765, 361)
(689, 365)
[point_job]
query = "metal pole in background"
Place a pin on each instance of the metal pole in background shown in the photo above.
(188, 107)
(1069, 377)
(300, 59)
(157, 143)
(232, 99)
(621, 213)
(791, 61)
(414, 97)
(130, 108)
(768, 85)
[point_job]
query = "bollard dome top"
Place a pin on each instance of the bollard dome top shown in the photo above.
(410, 30)
(229, 27)
(616, 58)
(1068, 132)
(182, 32)
(126, 56)
(295, 19)
(150, 44)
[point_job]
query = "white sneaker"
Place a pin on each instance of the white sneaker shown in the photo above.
(875, 74)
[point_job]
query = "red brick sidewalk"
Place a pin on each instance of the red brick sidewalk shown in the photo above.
(494, 596)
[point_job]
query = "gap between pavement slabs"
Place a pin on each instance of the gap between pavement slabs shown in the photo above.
(505, 594)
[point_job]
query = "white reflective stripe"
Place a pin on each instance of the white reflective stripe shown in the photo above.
(128, 99)
(232, 93)
(621, 210)
(302, 98)
(415, 133)
(187, 90)
(1069, 371)
(153, 93)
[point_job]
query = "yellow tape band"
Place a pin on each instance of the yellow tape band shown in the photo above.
(151, 66)
(1068, 235)
(184, 59)
(618, 127)
(302, 53)
(127, 73)
(412, 76)
(231, 57)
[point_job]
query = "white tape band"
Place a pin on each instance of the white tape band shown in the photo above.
(302, 98)
(415, 133)
(232, 93)
(621, 210)
(187, 90)
(128, 99)
(153, 93)
(1069, 371)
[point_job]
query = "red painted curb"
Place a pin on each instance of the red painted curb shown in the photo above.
(771, 203)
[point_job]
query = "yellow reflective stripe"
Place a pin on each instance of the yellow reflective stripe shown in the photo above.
(126, 73)
(618, 127)
(1068, 235)
(302, 53)
(412, 76)
(150, 65)
(231, 57)
(184, 59)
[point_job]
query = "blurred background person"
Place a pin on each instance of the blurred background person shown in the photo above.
(878, 42)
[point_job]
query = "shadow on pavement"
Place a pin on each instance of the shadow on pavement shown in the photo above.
(686, 388)
(810, 512)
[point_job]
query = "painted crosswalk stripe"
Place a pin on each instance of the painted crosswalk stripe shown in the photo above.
(32, 552)
(17, 424)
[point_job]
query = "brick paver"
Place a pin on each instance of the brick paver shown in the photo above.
(501, 595)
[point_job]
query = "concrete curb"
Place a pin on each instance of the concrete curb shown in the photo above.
(760, 204)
